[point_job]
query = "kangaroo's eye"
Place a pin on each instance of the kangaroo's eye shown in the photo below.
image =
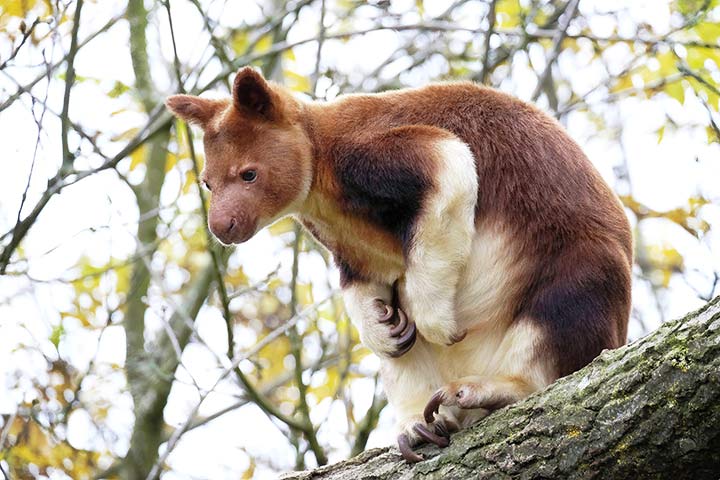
(249, 175)
(207, 185)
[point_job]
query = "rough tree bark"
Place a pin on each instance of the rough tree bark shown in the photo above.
(648, 410)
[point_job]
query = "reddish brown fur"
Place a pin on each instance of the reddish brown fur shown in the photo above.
(358, 152)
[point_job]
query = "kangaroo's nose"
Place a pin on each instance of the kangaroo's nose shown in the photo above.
(223, 227)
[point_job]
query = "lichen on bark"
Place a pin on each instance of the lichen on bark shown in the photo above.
(650, 409)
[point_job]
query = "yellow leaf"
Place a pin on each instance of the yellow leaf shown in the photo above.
(622, 83)
(284, 225)
(706, 93)
(268, 304)
(668, 63)
(688, 7)
(297, 82)
(708, 32)
(696, 58)
(304, 294)
(712, 135)
(237, 277)
(264, 44)
(250, 472)
(240, 42)
(289, 54)
(17, 8)
(126, 135)
(170, 162)
(571, 44)
(137, 157)
(676, 91)
(189, 181)
(507, 13)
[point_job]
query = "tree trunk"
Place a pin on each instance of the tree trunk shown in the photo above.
(647, 410)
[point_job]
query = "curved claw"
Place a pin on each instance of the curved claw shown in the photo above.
(457, 337)
(405, 343)
(402, 351)
(433, 406)
(431, 437)
(402, 323)
(442, 430)
(408, 336)
(407, 451)
(386, 317)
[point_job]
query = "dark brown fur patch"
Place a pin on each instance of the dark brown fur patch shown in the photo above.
(389, 193)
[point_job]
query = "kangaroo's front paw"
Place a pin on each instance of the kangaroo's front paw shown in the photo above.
(390, 332)
(414, 431)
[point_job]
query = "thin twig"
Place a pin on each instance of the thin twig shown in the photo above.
(176, 60)
(27, 32)
(67, 157)
(222, 291)
(62, 180)
(27, 87)
(296, 350)
(486, 54)
(38, 123)
(560, 35)
(320, 40)
(269, 338)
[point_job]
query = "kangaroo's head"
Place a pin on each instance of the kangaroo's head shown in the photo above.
(258, 158)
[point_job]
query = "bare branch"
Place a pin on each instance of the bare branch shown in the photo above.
(560, 35)
(269, 338)
(55, 65)
(486, 53)
(27, 33)
(67, 157)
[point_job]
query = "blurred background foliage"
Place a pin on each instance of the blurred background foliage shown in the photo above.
(132, 345)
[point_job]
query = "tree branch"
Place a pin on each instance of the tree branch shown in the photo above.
(560, 35)
(67, 157)
(650, 409)
(486, 53)
(26, 88)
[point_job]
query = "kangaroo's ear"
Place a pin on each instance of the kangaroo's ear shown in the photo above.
(252, 94)
(192, 109)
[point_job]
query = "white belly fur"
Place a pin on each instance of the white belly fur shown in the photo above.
(496, 344)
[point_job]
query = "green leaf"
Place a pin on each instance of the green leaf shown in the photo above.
(56, 334)
(118, 89)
